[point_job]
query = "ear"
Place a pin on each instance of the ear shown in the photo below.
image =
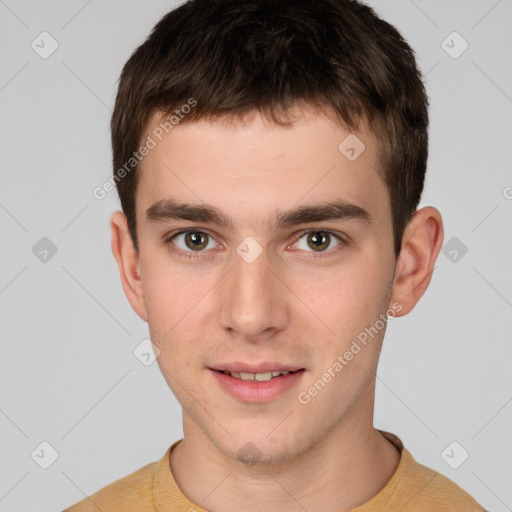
(421, 243)
(128, 262)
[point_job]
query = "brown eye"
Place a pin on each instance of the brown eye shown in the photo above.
(196, 240)
(191, 241)
(318, 241)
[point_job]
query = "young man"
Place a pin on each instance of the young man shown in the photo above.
(269, 157)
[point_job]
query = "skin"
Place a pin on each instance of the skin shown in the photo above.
(292, 304)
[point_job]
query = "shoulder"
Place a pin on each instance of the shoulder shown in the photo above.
(430, 490)
(131, 493)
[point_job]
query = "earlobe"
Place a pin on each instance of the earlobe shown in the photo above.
(128, 262)
(421, 243)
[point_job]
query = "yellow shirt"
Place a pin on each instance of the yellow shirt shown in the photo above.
(412, 488)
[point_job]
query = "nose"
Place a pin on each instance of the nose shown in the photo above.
(254, 299)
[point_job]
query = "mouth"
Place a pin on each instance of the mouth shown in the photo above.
(262, 384)
(259, 377)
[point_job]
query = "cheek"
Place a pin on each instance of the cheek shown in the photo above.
(171, 291)
(344, 300)
(176, 301)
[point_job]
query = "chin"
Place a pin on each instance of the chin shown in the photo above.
(262, 449)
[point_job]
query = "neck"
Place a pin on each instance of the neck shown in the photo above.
(344, 470)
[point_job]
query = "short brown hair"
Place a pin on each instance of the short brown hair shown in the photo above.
(237, 56)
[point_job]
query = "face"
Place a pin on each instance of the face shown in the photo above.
(282, 285)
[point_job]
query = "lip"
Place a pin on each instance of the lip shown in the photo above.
(255, 368)
(257, 391)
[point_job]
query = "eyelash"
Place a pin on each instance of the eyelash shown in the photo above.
(198, 254)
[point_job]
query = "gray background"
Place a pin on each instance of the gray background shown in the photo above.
(68, 375)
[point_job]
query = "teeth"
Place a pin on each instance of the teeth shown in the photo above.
(261, 377)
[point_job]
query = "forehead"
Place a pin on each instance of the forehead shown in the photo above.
(253, 166)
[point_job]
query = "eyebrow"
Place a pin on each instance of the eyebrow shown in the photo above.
(167, 209)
